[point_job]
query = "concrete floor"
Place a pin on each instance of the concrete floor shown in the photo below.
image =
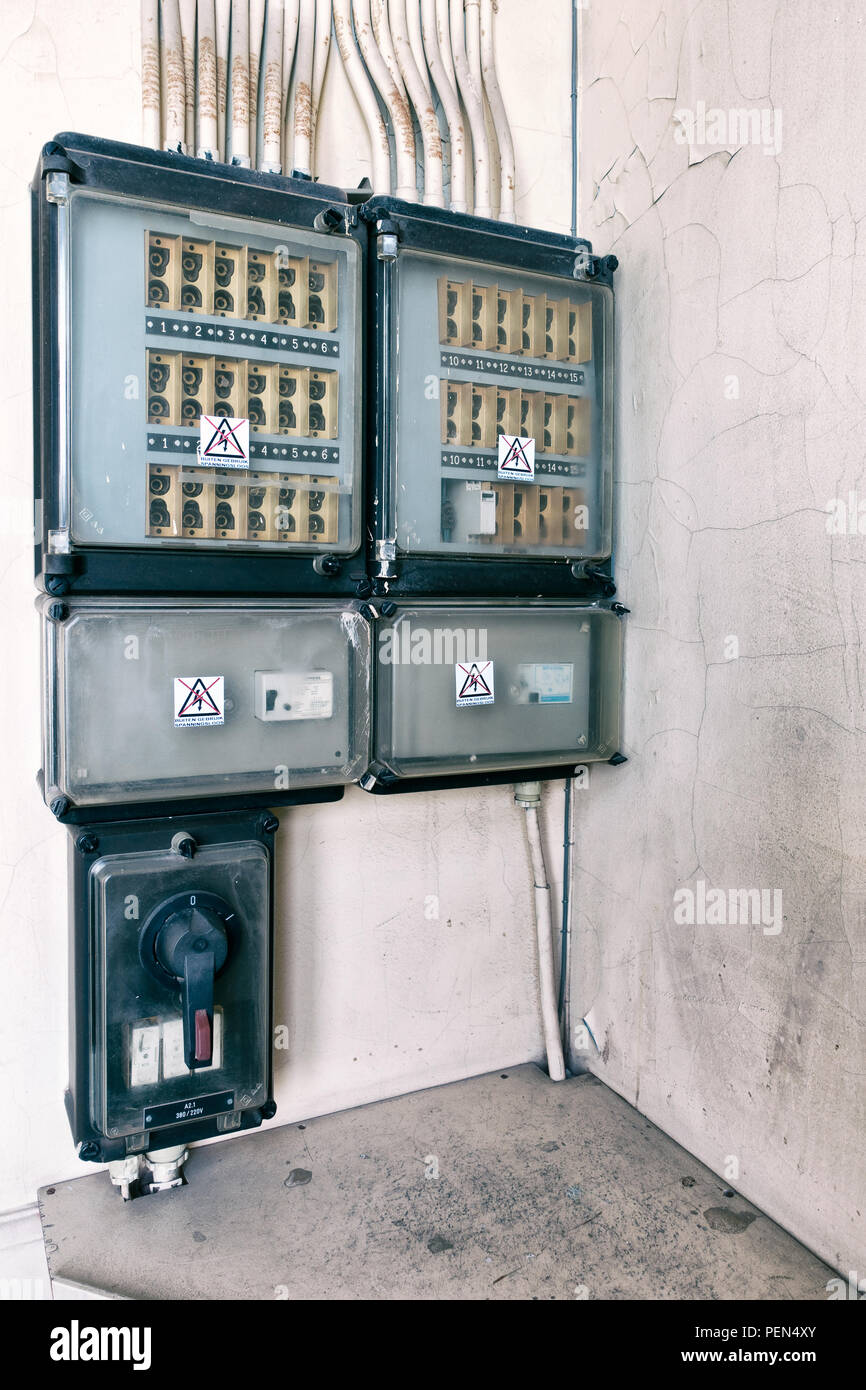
(505, 1186)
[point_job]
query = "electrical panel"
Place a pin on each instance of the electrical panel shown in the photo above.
(150, 701)
(471, 688)
(493, 433)
(199, 380)
(170, 981)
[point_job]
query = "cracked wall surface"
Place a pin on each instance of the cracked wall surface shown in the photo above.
(405, 943)
(741, 361)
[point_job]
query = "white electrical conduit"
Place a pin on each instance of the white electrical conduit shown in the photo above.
(223, 26)
(443, 31)
(380, 150)
(543, 924)
(175, 83)
(208, 140)
(393, 98)
(474, 110)
(272, 91)
(240, 83)
(150, 108)
(385, 43)
(450, 104)
(473, 57)
(321, 53)
(416, 43)
(257, 26)
(498, 113)
(302, 149)
(290, 37)
(187, 34)
(423, 103)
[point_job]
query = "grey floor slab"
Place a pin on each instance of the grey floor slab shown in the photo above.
(506, 1186)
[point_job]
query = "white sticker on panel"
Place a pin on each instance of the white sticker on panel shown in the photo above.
(199, 701)
(516, 457)
(546, 683)
(294, 695)
(144, 1055)
(225, 440)
(474, 683)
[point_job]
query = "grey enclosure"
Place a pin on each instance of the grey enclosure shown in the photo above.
(154, 700)
(463, 687)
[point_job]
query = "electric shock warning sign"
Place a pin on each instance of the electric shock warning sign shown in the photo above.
(225, 440)
(516, 457)
(198, 701)
(474, 683)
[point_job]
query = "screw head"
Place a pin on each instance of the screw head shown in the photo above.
(270, 825)
(87, 843)
(89, 1151)
(58, 611)
(57, 584)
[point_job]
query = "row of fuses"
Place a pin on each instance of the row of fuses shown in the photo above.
(474, 415)
(213, 504)
(492, 319)
(239, 282)
(276, 398)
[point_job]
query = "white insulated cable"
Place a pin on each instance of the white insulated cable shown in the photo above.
(302, 149)
(222, 20)
(380, 150)
(272, 91)
(544, 933)
(382, 35)
(240, 83)
(187, 35)
(321, 53)
(423, 103)
(257, 27)
(175, 82)
(416, 43)
(474, 110)
(499, 115)
(150, 107)
(208, 125)
(393, 98)
(290, 38)
(443, 31)
(450, 104)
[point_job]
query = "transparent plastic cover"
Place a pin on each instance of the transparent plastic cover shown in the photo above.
(214, 381)
(147, 701)
(503, 415)
(474, 687)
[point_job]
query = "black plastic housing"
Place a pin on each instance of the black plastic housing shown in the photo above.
(497, 244)
(87, 844)
(183, 182)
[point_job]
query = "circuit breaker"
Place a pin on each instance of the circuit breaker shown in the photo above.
(493, 431)
(198, 379)
(147, 701)
(476, 689)
(171, 948)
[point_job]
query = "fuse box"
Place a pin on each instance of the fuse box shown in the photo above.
(171, 949)
(468, 688)
(149, 701)
(493, 434)
(198, 381)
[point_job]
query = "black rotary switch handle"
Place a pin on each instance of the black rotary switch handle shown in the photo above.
(191, 946)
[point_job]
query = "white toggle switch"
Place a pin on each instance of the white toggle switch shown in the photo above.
(294, 695)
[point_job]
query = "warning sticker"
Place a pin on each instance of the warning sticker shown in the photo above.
(198, 701)
(474, 683)
(224, 440)
(516, 457)
(545, 682)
